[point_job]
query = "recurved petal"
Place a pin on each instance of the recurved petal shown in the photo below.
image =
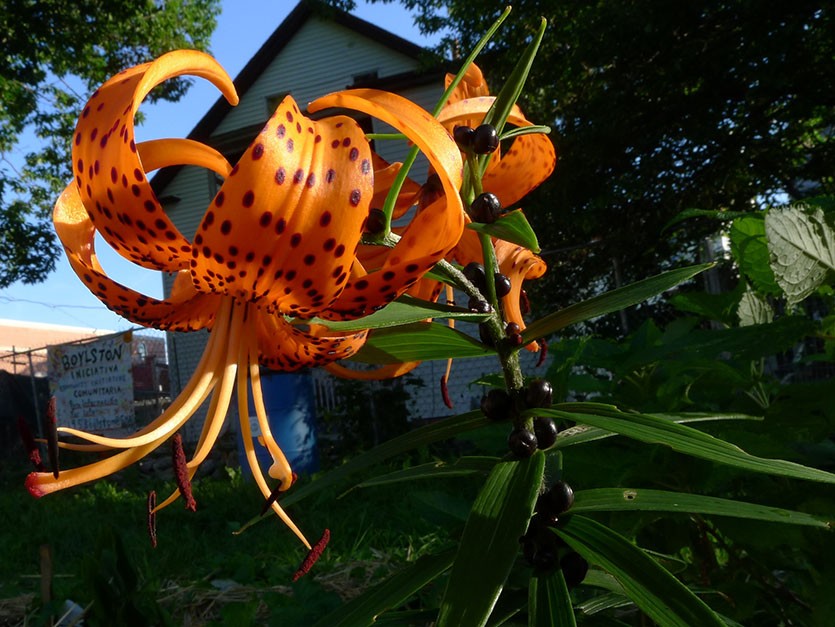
(384, 175)
(109, 173)
(518, 264)
(528, 162)
(285, 347)
(186, 310)
(434, 230)
(471, 86)
(284, 227)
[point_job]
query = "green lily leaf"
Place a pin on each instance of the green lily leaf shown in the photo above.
(406, 618)
(610, 301)
(419, 341)
(536, 129)
(680, 438)
(662, 597)
(512, 227)
(463, 467)
(604, 602)
(434, 432)
(490, 542)
(391, 593)
(619, 499)
(580, 434)
(549, 604)
(512, 88)
(404, 310)
(750, 250)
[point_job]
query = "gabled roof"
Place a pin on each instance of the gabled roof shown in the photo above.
(282, 35)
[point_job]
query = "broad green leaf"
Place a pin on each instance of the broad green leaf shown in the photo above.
(404, 310)
(549, 604)
(512, 227)
(721, 307)
(462, 467)
(391, 593)
(754, 309)
(490, 542)
(662, 597)
(618, 499)
(434, 432)
(680, 438)
(608, 302)
(704, 213)
(420, 341)
(801, 247)
(751, 342)
(580, 434)
(750, 249)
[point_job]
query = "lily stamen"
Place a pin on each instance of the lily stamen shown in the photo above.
(181, 472)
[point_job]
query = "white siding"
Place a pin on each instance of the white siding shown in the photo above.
(321, 58)
(193, 186)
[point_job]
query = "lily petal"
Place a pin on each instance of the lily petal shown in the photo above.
(109, 173)
(285, 347)
(518, 264)
(434, 230)
(186, 309)
(286, 223)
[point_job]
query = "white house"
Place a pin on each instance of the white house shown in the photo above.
(313, 52)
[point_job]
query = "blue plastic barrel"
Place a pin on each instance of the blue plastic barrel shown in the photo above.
(291, 410)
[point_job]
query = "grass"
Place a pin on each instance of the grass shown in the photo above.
(101, 551)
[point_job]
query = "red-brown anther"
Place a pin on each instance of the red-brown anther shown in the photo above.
(32, 451)
(152, 518)
(313, 555)
(445, 392)
(51, 428)
(542, 353)
(524, 303)
(181, 472)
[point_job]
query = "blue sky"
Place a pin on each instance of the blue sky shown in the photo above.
(243, 26)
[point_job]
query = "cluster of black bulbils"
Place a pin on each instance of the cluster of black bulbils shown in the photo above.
(498, 404)
(475, 274)
(541, 547)
(481, 140)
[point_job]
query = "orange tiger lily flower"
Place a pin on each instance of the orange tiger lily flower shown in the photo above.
(276, 247)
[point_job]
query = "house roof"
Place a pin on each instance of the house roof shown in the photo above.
(282, 35)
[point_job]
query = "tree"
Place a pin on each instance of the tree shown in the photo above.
(54, 54)
(657, 107)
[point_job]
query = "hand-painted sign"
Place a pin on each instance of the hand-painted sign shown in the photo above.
(92, 384)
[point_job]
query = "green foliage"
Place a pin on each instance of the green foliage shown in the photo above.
(527, 548)
(54, 54)
(657, 108)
